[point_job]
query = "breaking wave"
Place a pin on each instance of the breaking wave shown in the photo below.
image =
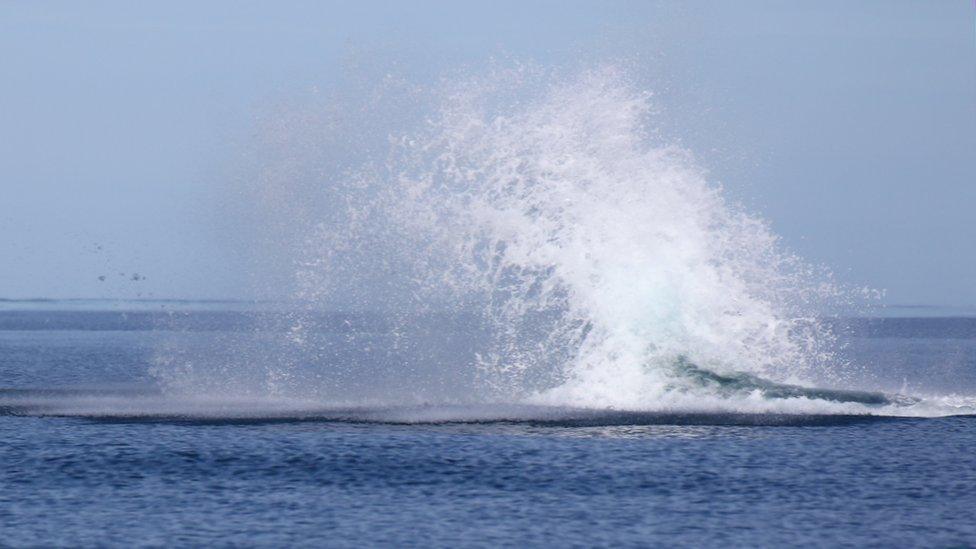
(602, 268)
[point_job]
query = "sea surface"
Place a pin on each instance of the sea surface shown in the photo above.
(93, 454)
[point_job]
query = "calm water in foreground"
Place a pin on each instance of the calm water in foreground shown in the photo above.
(306, 480)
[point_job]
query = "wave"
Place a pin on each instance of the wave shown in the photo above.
(728, 385)
(605, 267)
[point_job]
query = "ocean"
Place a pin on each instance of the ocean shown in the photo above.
(100, 446)
(522, 315)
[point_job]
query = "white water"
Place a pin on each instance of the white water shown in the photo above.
(598, 254)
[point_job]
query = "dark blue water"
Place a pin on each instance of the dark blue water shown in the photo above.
(313, 479)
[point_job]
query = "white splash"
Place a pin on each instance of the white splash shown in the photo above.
(600, 257)
(590, 244)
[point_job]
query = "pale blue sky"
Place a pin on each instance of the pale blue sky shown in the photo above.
(851, 126)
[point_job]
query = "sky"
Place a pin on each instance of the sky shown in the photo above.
(849, 126)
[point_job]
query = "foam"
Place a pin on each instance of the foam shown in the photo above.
(597, 253)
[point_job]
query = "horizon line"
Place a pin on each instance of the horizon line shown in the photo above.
(272, 301)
